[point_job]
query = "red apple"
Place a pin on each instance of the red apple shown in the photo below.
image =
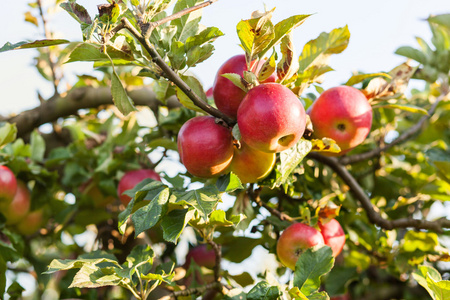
(251, 165)
(203, 256)
(343, 114)
(130, 179)
(294, 240)
(20, 205)
(333, 235)
(31, 223)
(209, 93)
(228, 96)
(205, 147)
(8, 185)
(271, 118)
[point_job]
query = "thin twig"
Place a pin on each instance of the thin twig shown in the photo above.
(346, 160)
(372, 214)
(254, 195)
(152, 25)
(50, 59)
(173, 76)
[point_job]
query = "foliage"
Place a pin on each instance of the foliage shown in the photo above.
(90, 240)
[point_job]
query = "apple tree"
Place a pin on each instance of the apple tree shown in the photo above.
(137, 182)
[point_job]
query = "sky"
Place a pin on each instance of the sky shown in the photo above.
(377, 29)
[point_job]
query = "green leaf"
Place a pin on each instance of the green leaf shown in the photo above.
(285, 27)
(325, 145)
(431, 280)
(3, 269)
(412, 53)
(15, 291)
(317, 50)
(229, 182)
(443, 20)
(36, 44)
(256, 34)
(204, 200)
(120, 96)
(237, 249)
(93, 52)
(174, 223)
(108, 13)
(68, 264)
(163, 89)
(405, 107)
(237, 80)
(207, 35)
(197, 88)
(339, 278)
(263, 291)
(219, 218)
(198, 54)
(311, 265)
(77, 11)
(8, 133)
(92, 276)
(440, 159)
(420, 240)
(176, 55)
(149, 215)
(361, 77)
(291, 158)
(37, 145)
(187, 25)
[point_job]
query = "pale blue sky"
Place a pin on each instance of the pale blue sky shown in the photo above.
(377, 29)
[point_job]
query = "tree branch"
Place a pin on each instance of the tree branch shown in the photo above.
(218, 252)
(152, 25)
(173, 76)
(86, 97)
(372, 214)
(254, 195)
(400, 139)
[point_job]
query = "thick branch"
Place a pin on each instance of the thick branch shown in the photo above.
(218, 252)
(173, 76)
(86, 97)
(372, 214)
(400, 139)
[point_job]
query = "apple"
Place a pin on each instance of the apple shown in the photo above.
(251, 165)
(271, 118)
(205, 147)
(202, 255)
(20, 205)
(343, 114)
(294, 240)
(209, 93)
(130, 179)
(228, 96)
(333, 235)
(31, 223)
(8, 186)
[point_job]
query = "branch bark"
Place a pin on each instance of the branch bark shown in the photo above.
(346, 160)
(372, 214)
(87, 97)
(254, 195)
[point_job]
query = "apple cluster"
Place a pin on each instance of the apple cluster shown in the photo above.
(298, 237)
(15, 204)
(270, 118)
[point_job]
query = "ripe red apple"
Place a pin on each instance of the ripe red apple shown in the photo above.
(209, 93)
(20, 205)
(31, 223)
(205, 147)
(228, 96)
(8, 186)
(333, 235)
(251, 165)
(271, 118)
(130, 179)
(203, 256)
(294, 240)
(343, 114)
